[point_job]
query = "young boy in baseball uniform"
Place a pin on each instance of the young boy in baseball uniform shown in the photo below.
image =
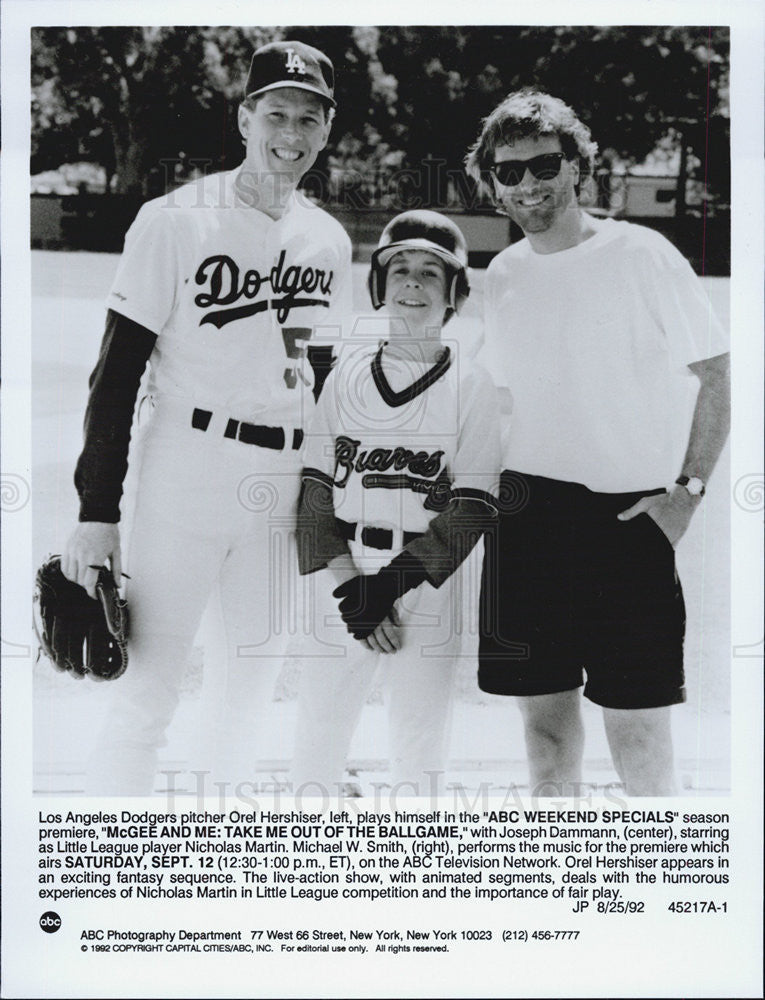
(400, 470)
(219, 288)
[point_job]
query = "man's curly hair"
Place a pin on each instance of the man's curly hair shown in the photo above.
(525, 113)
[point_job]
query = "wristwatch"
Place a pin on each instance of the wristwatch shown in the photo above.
(693, 484)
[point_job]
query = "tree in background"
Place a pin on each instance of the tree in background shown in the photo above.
(632, 85)
(148, 103)
(637, 89)
(139, 101)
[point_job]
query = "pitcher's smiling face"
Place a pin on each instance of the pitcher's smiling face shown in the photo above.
(416, 289)
(284, 133)
(537, 205)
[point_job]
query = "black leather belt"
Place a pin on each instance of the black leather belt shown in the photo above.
(375, 538)
(257, 434)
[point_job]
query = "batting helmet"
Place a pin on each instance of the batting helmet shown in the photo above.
(421, 229)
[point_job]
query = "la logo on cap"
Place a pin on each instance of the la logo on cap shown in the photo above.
(294, 63)
(290, 64)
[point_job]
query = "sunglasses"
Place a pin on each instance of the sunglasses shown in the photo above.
(544, 168)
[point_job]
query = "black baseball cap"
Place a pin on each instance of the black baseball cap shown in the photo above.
(291, 64)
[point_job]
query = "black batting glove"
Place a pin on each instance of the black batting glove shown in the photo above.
(365, 601)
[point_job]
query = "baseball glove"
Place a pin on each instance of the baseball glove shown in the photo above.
(76, 633)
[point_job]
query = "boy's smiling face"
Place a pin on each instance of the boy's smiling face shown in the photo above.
(416, 289)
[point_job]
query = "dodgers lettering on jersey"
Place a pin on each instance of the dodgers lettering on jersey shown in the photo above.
(234, 296)
(228, 285)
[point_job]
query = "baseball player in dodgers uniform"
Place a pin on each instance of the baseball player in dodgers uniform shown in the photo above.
(220, 287)
(400, 468)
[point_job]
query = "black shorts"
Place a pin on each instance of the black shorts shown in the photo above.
(569, 589)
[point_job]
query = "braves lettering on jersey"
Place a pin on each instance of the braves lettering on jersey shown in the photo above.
(395, 441)
(425, 465)
(395, 445)
(234, 296)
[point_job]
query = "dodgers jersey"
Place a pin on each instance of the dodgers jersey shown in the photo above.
(396, 440)
(233, 295)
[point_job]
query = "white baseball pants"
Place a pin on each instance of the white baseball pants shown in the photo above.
(209, 512)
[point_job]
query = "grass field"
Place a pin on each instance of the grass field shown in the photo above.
(67, 323)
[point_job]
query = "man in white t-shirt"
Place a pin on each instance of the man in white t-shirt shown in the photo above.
(220, 287)
(597, 328)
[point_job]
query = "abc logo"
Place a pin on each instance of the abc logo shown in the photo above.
(50, 922)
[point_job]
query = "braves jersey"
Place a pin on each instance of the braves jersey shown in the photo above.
(233, 296)
(396, 441)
